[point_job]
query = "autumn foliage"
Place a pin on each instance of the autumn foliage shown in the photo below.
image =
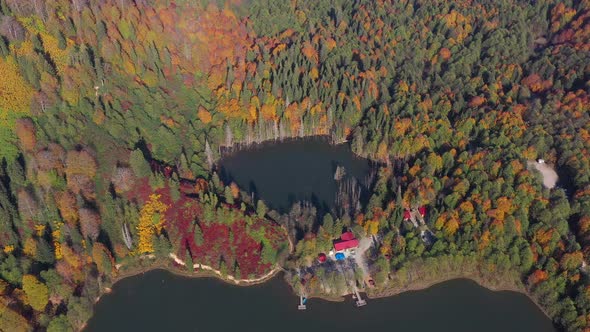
(36, 291)
(114, 113)
(151, 221)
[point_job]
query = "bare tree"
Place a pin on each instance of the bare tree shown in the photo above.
(348, 196)
(282, 132)
(340, 172)
(89, 223)
(301, 129)
(276, 129)
(127, 236)
(123, 179)
(11, 28)
(79, 5)
(21, 7)
(229, 137)
(40, 103)
(28, 207)
(40, 9)
(209, 154)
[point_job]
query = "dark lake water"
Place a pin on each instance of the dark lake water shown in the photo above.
(161, 301)
(294, 170)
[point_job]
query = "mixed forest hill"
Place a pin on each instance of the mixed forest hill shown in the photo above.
(113, 113)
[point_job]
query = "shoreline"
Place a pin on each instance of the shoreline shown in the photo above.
(375, 293)
(197, 273)
(419, 286)
(229, 150)
(175, 270)
(168, 267)
(511, 284)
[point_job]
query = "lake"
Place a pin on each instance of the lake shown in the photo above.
(294, 170)
(161, 301)
(282, 174)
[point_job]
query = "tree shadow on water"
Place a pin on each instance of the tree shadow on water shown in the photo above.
(225, 175)
(291, 199)
(321, 207)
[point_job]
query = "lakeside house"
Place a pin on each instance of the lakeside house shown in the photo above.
(346, 242)
(408, 213)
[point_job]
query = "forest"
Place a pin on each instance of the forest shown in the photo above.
(114, 113)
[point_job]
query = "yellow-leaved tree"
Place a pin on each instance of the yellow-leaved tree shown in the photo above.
(36, 291)
(15, 102)
(151, 220)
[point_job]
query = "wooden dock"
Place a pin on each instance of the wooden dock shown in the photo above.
(301, 305)
(359, 300)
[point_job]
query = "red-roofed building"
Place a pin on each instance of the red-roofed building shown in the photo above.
(347, 236)
(345, 245)
(346, 241)
(407, 215)
(422, 211)
(322, 257)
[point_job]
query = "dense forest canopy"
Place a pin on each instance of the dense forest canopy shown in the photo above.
(113, 114)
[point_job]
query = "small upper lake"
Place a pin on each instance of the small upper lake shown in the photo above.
(294, 170)
(161, 301)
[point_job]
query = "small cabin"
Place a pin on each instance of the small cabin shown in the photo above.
(407, 215)
(422, 211)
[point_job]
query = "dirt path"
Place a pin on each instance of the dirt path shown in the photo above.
(364, 245)
(264, 277)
